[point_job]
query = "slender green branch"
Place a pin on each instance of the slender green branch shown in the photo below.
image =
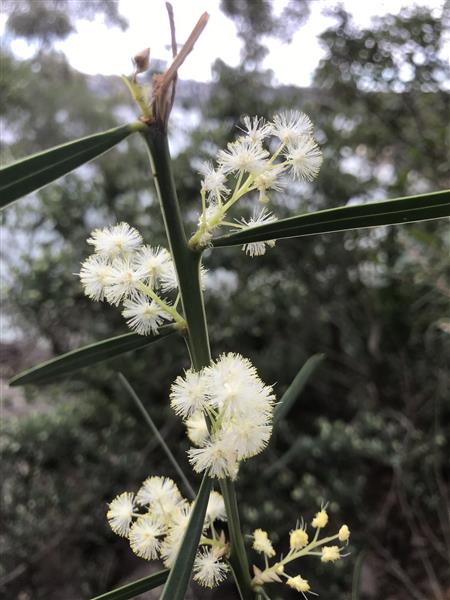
(238, 556)
(147, 418)
(187, 264)
(187, 261)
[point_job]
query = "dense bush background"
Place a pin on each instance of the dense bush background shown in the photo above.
(370, 432)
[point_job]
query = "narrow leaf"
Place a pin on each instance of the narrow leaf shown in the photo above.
(422, 207)
(131, 590)
(284, 459)
(88, 356)
(357, 572)
(148, 419)
(295, 389)
(180, 573)
(32, 173)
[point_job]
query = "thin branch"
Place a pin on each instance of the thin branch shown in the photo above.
(161, 83)
(126, 384)
(185, 50)
(173, 41)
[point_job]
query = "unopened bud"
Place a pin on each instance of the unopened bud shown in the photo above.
(142, 60)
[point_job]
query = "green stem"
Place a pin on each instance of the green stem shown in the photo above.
(187, 264)
(187, 261)
(238, 556)
(170, 310)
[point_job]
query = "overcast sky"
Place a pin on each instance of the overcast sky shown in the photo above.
(96, 48)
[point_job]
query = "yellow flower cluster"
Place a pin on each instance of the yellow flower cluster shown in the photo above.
(299, 545)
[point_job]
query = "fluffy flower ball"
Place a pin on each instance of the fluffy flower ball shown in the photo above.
(238, 405)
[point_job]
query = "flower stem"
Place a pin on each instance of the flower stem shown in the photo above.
(170, 310)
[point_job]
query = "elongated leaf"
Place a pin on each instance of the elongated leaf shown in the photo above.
(88, 356)
(357, 572)
(284, 459)
(148, 419)
(131, 590)
(295, 389)
(388, 212)
(33, 172)
(180, 573)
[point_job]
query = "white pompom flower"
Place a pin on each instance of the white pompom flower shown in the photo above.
(120, 513)
(240, 407)
(241, 156)
(158, 490)
(118, 240)
(153, 263)
(145, 536)
(290, 126)
(217, 457)
(269, 179)
(95, 275)
(209, 570)
(143, 315)
(248, 438)
(188, 394)
(214, 180)
(124, 280)
(256, 129)
(197, 429)
(305, 158)
(216, 508)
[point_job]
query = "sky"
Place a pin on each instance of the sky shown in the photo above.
(148, 26)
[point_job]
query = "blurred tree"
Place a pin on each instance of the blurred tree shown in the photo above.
(371, 432)
(258, 20)
(48, 21)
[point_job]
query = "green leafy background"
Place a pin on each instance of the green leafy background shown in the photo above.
(370, 431)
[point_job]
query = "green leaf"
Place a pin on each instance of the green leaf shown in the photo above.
(148, 419)
(32, 173)
(388, 212)
(131, 590)
(295, 389)
(357, 573)
(180, 573)
(88, 356)
(284, 459)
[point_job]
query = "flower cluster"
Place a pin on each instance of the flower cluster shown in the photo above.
(155, 519)
(228, 414)
(258, 161)
(299, 545)
(124, 271)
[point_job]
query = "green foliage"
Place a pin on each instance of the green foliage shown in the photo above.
(132, 590)
(257, 19)
(389, 212)
(34, 172)
(370, 434)
(293, 392)
(60, 470)
(88, 356)
(50, 20)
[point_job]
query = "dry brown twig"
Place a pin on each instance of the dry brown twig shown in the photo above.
(162, 83)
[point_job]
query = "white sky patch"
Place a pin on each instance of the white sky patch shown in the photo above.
(97, 48)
